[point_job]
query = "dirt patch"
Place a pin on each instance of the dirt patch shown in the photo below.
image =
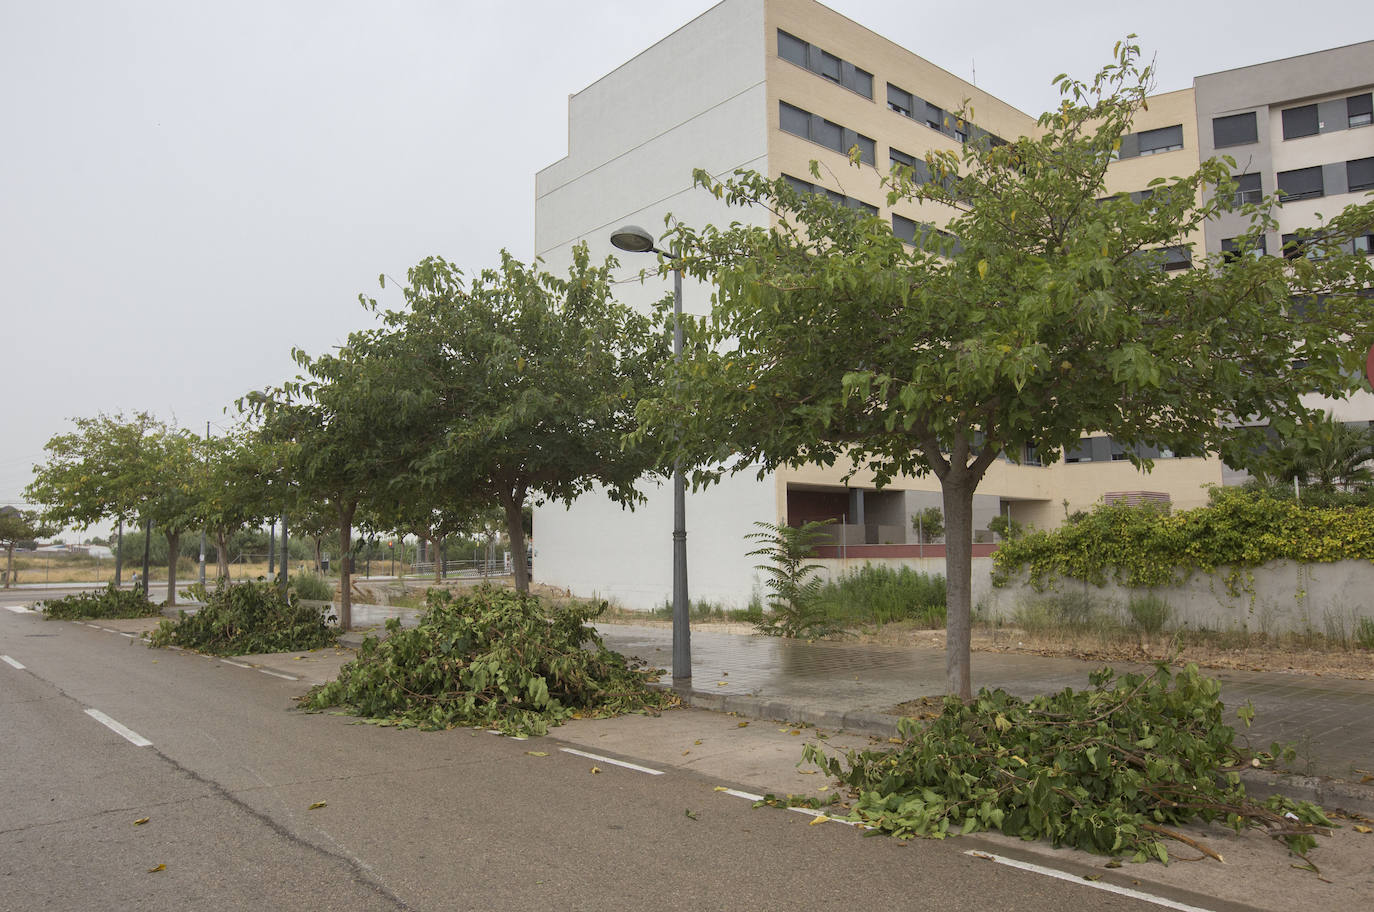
(1254, 655)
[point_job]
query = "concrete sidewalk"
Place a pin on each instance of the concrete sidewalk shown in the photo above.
(855, 687)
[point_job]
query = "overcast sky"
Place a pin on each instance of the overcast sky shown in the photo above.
(190, 189)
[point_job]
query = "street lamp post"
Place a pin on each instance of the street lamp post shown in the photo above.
(633, 239)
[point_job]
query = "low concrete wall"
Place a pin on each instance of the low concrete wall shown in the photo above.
(1278, 597)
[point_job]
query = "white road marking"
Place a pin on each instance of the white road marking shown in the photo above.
(132, 636)
(20, 609)
(634, 766)
(123, 731)
(8, 661)
(235, 664)
(1095, 884)
(278, 674)
(96, 626)
(745, 795)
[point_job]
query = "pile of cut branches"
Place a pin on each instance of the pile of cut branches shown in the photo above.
(109, 602)
(490, 658)
(248, 618)
(1109, 770)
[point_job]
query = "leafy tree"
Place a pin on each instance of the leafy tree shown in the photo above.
(17, 526)
(336, 430)
(1323, 452)
(929, 523)
(1043, 312)
(120, 468)
(524, 385)
(795, 587)
(239, 469)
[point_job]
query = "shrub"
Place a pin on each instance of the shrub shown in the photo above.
(881, 595)
(109, 602)
(248, 618)
(312, 587)
(794, 586)
(1061, 612)
(1107, 770)
(1149, 613)
(491, 658)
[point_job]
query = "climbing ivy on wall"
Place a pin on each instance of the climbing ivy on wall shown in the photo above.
(1144, 546)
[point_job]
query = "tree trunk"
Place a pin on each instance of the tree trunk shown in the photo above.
(222, 555)
(514, 503)
(438, 558)
(319, 555)
(173, 555)
(345, 555)
(957, 489)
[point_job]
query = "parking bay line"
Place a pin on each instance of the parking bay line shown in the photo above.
(14, 662)
(1074, 878)
(120, 729)
(633, 766)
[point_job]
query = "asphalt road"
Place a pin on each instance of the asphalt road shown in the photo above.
(410, 820)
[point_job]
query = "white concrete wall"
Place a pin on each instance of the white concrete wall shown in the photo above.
(1279, 597)
(696, 99)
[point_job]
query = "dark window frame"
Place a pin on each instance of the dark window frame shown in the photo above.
(1163, 135)
(1359, 174)
(1300, 184)
(1235, 130)
(1300, 121)
(1359, 110)
(828, 66)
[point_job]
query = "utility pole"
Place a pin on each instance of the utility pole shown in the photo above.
(147, 542)
(202, 528)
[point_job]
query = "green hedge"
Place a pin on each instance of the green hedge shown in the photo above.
(1145, 547)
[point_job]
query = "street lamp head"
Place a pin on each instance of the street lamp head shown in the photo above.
(633, 239)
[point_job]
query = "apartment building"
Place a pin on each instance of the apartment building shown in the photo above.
(778, 84)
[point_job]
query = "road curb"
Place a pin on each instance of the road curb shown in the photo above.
(1332, 794)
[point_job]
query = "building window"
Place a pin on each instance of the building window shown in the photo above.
(1248, 189)
(937, 118)
(824, 64)
(925, 235)
(1359, 174)
(1234, 130)
(838, 199)
(1299, 244)
(1165, 139)
(1176, 257)
(1233, 249)
(1364, 243)
(920, 171)
(827, 133)
(1301, 121)
(1303, 183)
(1359, 109)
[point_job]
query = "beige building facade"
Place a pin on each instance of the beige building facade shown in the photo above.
(780, 84)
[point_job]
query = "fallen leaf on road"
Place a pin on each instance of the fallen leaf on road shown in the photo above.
(721, 683)
(686, 752)
(595, 770)
(820, 819)
(721, 788)
(140, 821)
(807, 772)
(1362, 829)
(697, 741)
(317, 804)
(161, 867)
(824, 788)
(794, 732)
(537, 753)
(692, 814)
(741, 724)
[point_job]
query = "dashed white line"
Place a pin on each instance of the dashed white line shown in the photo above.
(278, 674)
(20, 609)
(633, 766)
(132, 636)
(120, 729)
(235, 664)
(14, 662)
(1095, 884)
(96, 626)
(745, 795)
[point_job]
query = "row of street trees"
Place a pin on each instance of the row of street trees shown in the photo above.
(1039, 312)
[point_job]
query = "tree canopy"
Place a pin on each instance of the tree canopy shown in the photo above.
(1040, 311)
